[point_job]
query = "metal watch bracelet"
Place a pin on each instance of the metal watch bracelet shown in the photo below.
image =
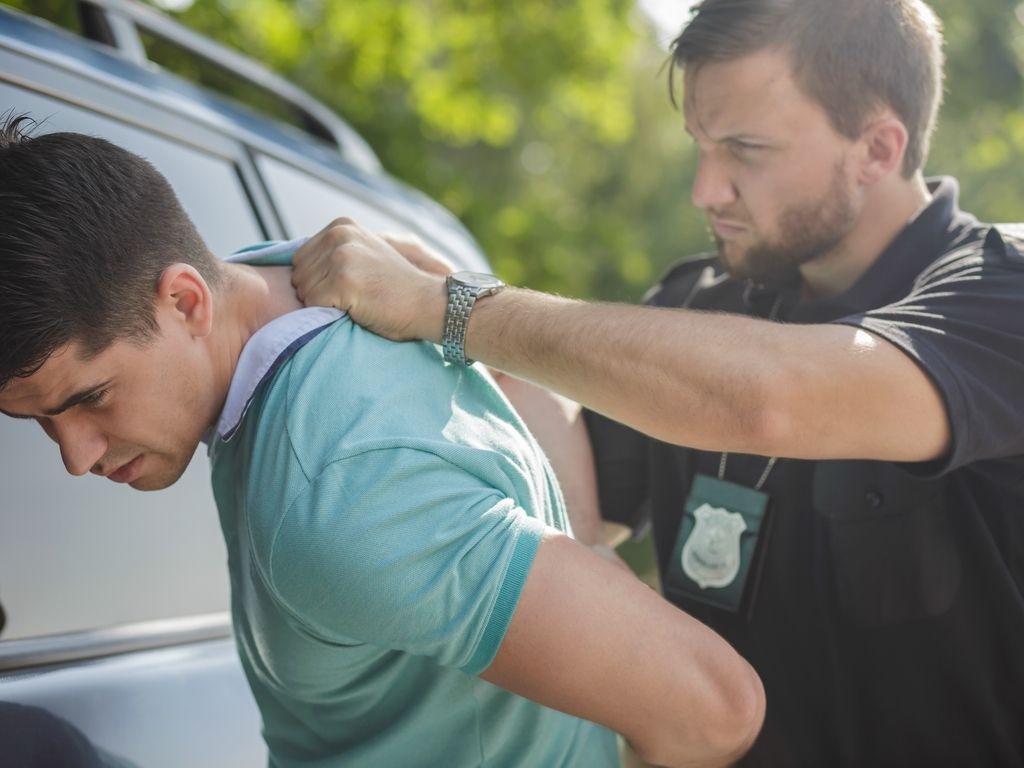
(456, 317)
(464, 290)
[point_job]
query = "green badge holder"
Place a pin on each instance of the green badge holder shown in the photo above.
(718, 535)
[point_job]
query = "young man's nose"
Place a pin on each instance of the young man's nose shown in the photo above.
(81, 444)
(712, 187)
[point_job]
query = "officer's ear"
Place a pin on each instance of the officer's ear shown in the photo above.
(882, 145)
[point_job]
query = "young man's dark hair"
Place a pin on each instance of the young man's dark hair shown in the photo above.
(89, 227)
(850, 56)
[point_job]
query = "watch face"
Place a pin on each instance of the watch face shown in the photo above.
(477, 279)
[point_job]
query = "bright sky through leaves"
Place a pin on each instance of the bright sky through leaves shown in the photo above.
(668, 17)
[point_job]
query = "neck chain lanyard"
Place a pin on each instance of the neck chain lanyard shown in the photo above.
(771, 462)
(760, 481)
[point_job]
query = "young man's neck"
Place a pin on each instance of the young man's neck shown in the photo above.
(249, 298)
(890, 207)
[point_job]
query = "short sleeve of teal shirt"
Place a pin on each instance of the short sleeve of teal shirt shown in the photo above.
(398, 548)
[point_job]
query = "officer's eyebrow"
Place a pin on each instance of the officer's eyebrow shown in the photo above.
(71, 402)
(740, 137)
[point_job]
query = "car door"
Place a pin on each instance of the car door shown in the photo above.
(117, 601)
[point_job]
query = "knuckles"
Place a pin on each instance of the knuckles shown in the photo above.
(340, 231)
(336, 236)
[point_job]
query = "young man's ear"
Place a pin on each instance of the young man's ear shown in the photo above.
(883, 145)
(184, 294)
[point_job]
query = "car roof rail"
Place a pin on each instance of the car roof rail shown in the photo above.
(117, 23)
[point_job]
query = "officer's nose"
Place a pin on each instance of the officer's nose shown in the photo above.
(712, 187)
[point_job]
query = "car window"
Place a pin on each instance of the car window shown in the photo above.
(186, 64)
(307, 204)
(208, 186)
(82, 553)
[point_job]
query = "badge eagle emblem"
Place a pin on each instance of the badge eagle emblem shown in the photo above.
(711, 555)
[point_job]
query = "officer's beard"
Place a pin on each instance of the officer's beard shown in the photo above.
(807, 231)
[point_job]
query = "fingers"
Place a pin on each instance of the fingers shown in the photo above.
(314, 287)
(338, 230)
(323, 294)
(418, 254)
(322, 258)
(308, 275)
(331, 257)
(308, 260)
(352, 269)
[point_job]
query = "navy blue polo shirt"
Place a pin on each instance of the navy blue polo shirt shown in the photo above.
(885, 611)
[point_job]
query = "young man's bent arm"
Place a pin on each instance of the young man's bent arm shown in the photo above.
(590, 639)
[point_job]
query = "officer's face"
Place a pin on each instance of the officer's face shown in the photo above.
(772, 172)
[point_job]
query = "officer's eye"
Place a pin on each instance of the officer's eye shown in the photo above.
(742, 148)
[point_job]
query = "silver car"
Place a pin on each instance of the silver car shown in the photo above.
(116, 601)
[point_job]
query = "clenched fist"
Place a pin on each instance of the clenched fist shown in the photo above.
(392, 285)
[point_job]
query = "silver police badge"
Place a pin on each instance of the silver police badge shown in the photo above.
(711, 555)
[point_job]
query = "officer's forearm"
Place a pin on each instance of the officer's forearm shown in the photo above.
(716, 381)
(663, 372)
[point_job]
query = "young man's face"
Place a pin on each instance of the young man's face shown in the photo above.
(774, 175)
(134, 414)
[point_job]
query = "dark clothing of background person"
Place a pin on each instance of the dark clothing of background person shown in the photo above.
(32, 737)
(883, 607)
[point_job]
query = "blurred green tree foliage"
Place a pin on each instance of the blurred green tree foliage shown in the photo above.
(980, 138)
(546, 125)
(525, 119)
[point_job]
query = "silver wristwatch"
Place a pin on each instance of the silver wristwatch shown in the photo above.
(464, 288)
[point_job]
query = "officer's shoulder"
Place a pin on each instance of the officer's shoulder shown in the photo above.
(991, 248)
(991, 245)
(684, 279)
(1011, 242)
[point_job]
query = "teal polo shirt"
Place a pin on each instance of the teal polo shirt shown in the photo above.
(381, 511)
